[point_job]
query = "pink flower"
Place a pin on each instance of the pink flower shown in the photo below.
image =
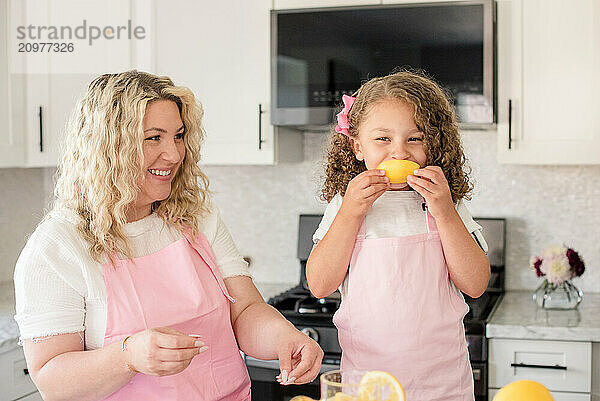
(536, 262)
(342, 117)
(558, 264)
(576, 262)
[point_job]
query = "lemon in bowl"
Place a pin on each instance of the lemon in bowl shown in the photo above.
(398, 170)
(377, 385)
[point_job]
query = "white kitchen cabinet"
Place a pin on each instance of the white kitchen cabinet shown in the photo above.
(548, 81)
(564, 367)
(15, 382)
(51, 98)
(12, 147)
(44, 86)
(220, 50)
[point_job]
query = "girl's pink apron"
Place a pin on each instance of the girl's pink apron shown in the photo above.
(179, 287)
(401, 315)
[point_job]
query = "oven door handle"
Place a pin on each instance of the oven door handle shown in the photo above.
(274, 364)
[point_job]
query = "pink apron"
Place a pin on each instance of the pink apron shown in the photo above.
(401, 315)
(179, 287)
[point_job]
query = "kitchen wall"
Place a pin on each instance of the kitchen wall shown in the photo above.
(261, 204)
(21, 208)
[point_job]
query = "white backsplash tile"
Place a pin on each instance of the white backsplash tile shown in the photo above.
(21, 209)
(261, 204)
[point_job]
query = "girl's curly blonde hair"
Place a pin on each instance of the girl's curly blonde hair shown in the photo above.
(434, 116)
(102, 161)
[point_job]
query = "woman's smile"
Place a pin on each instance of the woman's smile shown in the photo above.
(161, 174)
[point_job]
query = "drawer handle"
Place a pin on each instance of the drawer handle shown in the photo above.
(41, 130)
(26, 372)
(526, 365)
(509, 123)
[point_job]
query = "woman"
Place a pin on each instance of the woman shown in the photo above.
(131, 288)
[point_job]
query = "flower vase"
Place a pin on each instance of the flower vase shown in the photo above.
(557, 296)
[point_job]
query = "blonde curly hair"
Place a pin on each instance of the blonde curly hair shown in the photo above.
(102, 160)
(434, 116)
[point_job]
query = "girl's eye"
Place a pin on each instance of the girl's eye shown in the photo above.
(180, 135)
(153, 138)
(415, 138)
(383, 138)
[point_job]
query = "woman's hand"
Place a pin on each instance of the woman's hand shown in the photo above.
(299, 359)
(363, 190)
(162, 351)
(431, 183)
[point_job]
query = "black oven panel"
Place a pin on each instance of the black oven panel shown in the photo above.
(266, 388)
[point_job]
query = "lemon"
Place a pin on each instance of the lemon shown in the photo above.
(398, 170)
(523, 390)
(344, 397)
(301, 398)
(375, 385)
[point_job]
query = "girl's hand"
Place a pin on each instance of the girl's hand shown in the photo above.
(363, 190)
(162, 351)
(431, 183)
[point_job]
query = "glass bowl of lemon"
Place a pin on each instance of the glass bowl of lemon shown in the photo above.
(357, 385)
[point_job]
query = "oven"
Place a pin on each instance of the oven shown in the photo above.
(265, 387)
(314, 316)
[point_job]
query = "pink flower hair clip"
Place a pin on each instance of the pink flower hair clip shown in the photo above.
(342, 117)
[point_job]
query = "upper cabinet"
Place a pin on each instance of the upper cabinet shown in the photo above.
(51, 56)
(12, 147)
(49, 101)
(220, 50)
(548, 81)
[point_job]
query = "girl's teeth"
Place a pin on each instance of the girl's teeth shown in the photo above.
(160, 172)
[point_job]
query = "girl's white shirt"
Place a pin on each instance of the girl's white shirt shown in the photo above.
(397, 214)
(60, 289)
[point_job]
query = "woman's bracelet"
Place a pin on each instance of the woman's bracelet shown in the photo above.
(124, 348)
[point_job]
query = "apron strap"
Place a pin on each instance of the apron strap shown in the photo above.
(429, 220)
(208, 258)
(362, 229)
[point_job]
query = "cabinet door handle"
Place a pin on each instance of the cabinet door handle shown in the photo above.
(41, 130)
(509, 123)
(26, 371)
(526, 365)
(260, 112)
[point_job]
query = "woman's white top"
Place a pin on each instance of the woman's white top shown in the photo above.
(397, 214)
(60, 289)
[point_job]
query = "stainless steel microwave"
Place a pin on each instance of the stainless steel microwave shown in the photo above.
(319, 54)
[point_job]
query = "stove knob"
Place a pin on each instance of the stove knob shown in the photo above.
(312, 333)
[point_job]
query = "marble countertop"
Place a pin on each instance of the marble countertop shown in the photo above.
(9, 332)
(519, 317)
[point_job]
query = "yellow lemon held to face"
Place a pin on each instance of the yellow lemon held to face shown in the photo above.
(398, 170)
(523, 390)
(380, 386)
(301, 398)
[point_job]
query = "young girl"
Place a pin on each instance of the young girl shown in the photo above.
(400, 253)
